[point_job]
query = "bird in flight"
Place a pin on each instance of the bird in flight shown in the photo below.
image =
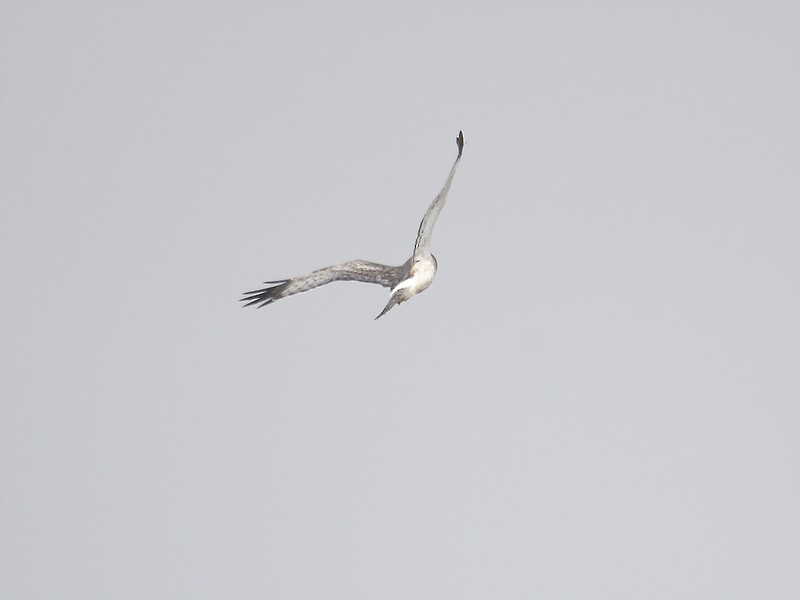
(405, 281)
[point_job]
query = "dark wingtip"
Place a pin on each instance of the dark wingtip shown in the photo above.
(263, 296)
(460, 143)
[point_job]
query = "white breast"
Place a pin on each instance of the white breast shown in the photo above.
(422, 274)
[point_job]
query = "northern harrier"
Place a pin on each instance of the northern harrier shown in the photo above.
(405, 281)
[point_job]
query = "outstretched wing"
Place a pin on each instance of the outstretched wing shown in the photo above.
(423, 244)
(355, 270)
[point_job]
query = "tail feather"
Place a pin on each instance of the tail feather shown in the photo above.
(398, 297)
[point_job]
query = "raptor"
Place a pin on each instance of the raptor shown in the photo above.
(406, 281)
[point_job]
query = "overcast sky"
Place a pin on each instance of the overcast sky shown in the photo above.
(598, 397)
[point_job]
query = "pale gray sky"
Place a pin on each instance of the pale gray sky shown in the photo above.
(599, 396)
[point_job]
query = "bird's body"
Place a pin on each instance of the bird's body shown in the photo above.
(405, 281)
(420, 277)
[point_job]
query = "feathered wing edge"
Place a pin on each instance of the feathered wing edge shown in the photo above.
(421, 246)
(266, 295)
(355, 270)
